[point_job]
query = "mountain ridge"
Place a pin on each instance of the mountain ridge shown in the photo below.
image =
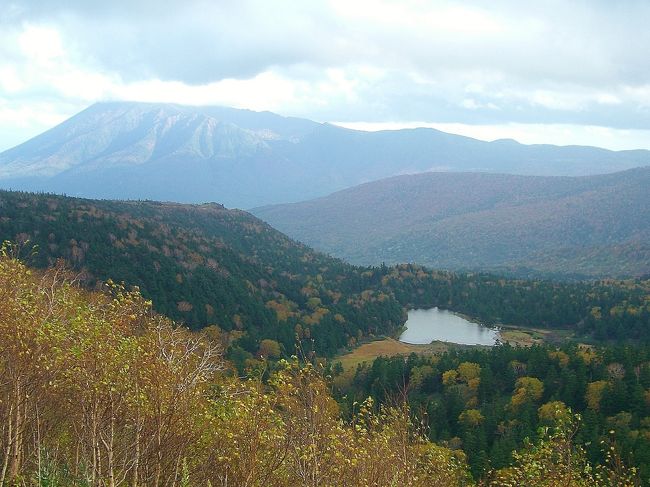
(245, 159)
(476, 221)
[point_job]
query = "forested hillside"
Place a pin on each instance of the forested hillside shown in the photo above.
(99, 391)
(607, 310)
(206, 265)
(588, 226)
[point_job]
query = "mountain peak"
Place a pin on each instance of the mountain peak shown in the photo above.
(140, 150)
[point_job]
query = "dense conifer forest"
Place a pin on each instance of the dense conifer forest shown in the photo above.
(488, 402)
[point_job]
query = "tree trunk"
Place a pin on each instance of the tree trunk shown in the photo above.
(16, 455)
(5, 464)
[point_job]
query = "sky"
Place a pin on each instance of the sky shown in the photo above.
(563, 72)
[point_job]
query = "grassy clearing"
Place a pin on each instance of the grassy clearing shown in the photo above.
(389, 347)
(386, 347)
(521, 338)
(526, 337)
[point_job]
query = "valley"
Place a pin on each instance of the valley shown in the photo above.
(262, 298)
(324, 244)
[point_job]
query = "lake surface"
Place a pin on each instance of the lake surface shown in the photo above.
(427, 325)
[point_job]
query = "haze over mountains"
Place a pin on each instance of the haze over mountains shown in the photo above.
(595, 225)
(244, 159)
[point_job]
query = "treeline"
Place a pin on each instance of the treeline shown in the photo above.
(97, 390)
(489, 402)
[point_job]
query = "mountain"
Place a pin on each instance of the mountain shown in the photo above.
(124, 150)
(595, 225)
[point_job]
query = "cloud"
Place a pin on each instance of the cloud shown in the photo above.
(198, 41)
(193, 41)
(471, 62)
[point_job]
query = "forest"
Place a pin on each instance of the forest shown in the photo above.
(99, 390)
(206, 265)
(489, 402)
(90, 292)
(324, 243)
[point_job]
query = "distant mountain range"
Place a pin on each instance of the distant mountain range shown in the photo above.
(587, 226)
(244, 159)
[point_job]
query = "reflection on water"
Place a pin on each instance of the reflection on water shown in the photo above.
(427, 325)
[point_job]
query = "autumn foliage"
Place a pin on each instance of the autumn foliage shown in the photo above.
(98, 390)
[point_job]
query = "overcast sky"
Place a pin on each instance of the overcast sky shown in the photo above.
(553, 71)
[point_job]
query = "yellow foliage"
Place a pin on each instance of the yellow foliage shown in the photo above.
(560, 356)
(283, 310)
(596, 312)
(474, 384)
(588, 355)
(527, 389)
(449, 377)
(554, 461)
(468, 371)
(269, 349)
(471, 417)
(554, 412)
(125, 394)
(595, 393)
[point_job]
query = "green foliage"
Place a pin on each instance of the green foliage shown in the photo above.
(203, 265)
(554, 460)
(99, 390)
(601, 310)
(513, 392)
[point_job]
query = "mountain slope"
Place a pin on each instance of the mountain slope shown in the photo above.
(597, 225)
(205, 264)
(242, 158)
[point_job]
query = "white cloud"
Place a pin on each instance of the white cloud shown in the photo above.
(504, 63)
(41, 45)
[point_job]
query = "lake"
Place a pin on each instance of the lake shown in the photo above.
(427, 325)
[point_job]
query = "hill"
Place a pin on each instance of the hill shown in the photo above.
(592, 226)
(202, 265)
(124, 150)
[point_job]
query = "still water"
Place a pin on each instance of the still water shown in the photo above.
(427, 325)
